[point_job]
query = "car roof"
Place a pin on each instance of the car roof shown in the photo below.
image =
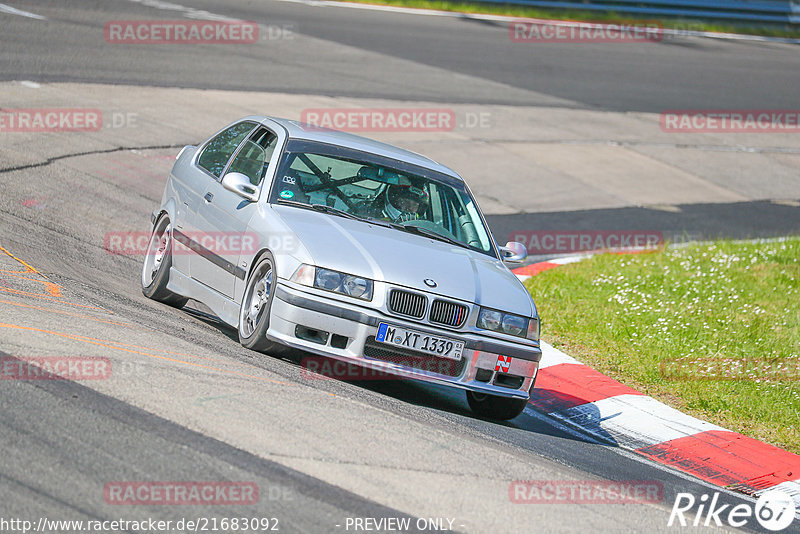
(310, 132)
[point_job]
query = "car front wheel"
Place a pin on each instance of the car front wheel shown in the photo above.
(494, 407)
(254, 312)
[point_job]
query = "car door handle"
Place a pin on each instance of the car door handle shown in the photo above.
(209, 197)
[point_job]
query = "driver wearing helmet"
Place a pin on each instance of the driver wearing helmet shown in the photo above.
(405, 203)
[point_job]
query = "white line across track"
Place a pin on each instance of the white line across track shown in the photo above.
(14, 11)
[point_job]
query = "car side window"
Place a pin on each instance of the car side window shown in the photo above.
(219, 150)
(253, 158)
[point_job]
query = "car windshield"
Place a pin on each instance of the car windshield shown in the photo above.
(370, 187)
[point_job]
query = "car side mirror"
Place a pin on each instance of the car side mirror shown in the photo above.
(240, 184)
(513, 252)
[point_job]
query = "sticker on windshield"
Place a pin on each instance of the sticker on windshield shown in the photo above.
(290, 180)
(287, 194)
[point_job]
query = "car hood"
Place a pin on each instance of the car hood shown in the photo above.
(397, 257)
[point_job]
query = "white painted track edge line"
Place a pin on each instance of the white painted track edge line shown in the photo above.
(552, 356)
(14, 11)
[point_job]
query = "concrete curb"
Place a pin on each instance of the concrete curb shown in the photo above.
(579, 397)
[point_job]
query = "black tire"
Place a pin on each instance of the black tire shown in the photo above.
(157, 261)
(254, 311)
(494, 407)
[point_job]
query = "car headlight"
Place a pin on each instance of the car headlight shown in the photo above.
(357, 287)
(330, 280)
(514, 325)
(508, 323)
(490, 320)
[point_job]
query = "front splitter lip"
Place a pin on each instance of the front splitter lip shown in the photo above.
(404, 373)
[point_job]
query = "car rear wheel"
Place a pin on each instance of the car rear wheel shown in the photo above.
(157, 262)
(254, 312)
(494, 407)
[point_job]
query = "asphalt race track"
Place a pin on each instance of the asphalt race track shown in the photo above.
(677, 74)
(185, 402)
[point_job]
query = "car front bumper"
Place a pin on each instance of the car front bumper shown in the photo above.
(341, 331)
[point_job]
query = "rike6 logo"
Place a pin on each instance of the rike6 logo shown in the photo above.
(774, 511)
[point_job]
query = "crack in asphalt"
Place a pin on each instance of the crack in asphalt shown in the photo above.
(53, 159)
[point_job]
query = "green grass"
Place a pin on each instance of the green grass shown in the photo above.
(571, 14)
(710, 329)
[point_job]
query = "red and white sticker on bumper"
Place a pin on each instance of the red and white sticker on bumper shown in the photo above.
(503, 364)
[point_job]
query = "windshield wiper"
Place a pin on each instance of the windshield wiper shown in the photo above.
(430, 233)
(320, 207)
(335, 211)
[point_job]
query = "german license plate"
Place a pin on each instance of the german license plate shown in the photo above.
(419, 341)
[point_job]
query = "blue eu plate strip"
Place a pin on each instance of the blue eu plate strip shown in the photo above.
(381, 336)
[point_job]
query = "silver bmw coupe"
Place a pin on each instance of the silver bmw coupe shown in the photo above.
(350, 249)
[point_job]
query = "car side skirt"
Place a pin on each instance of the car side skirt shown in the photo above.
(226, 309)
